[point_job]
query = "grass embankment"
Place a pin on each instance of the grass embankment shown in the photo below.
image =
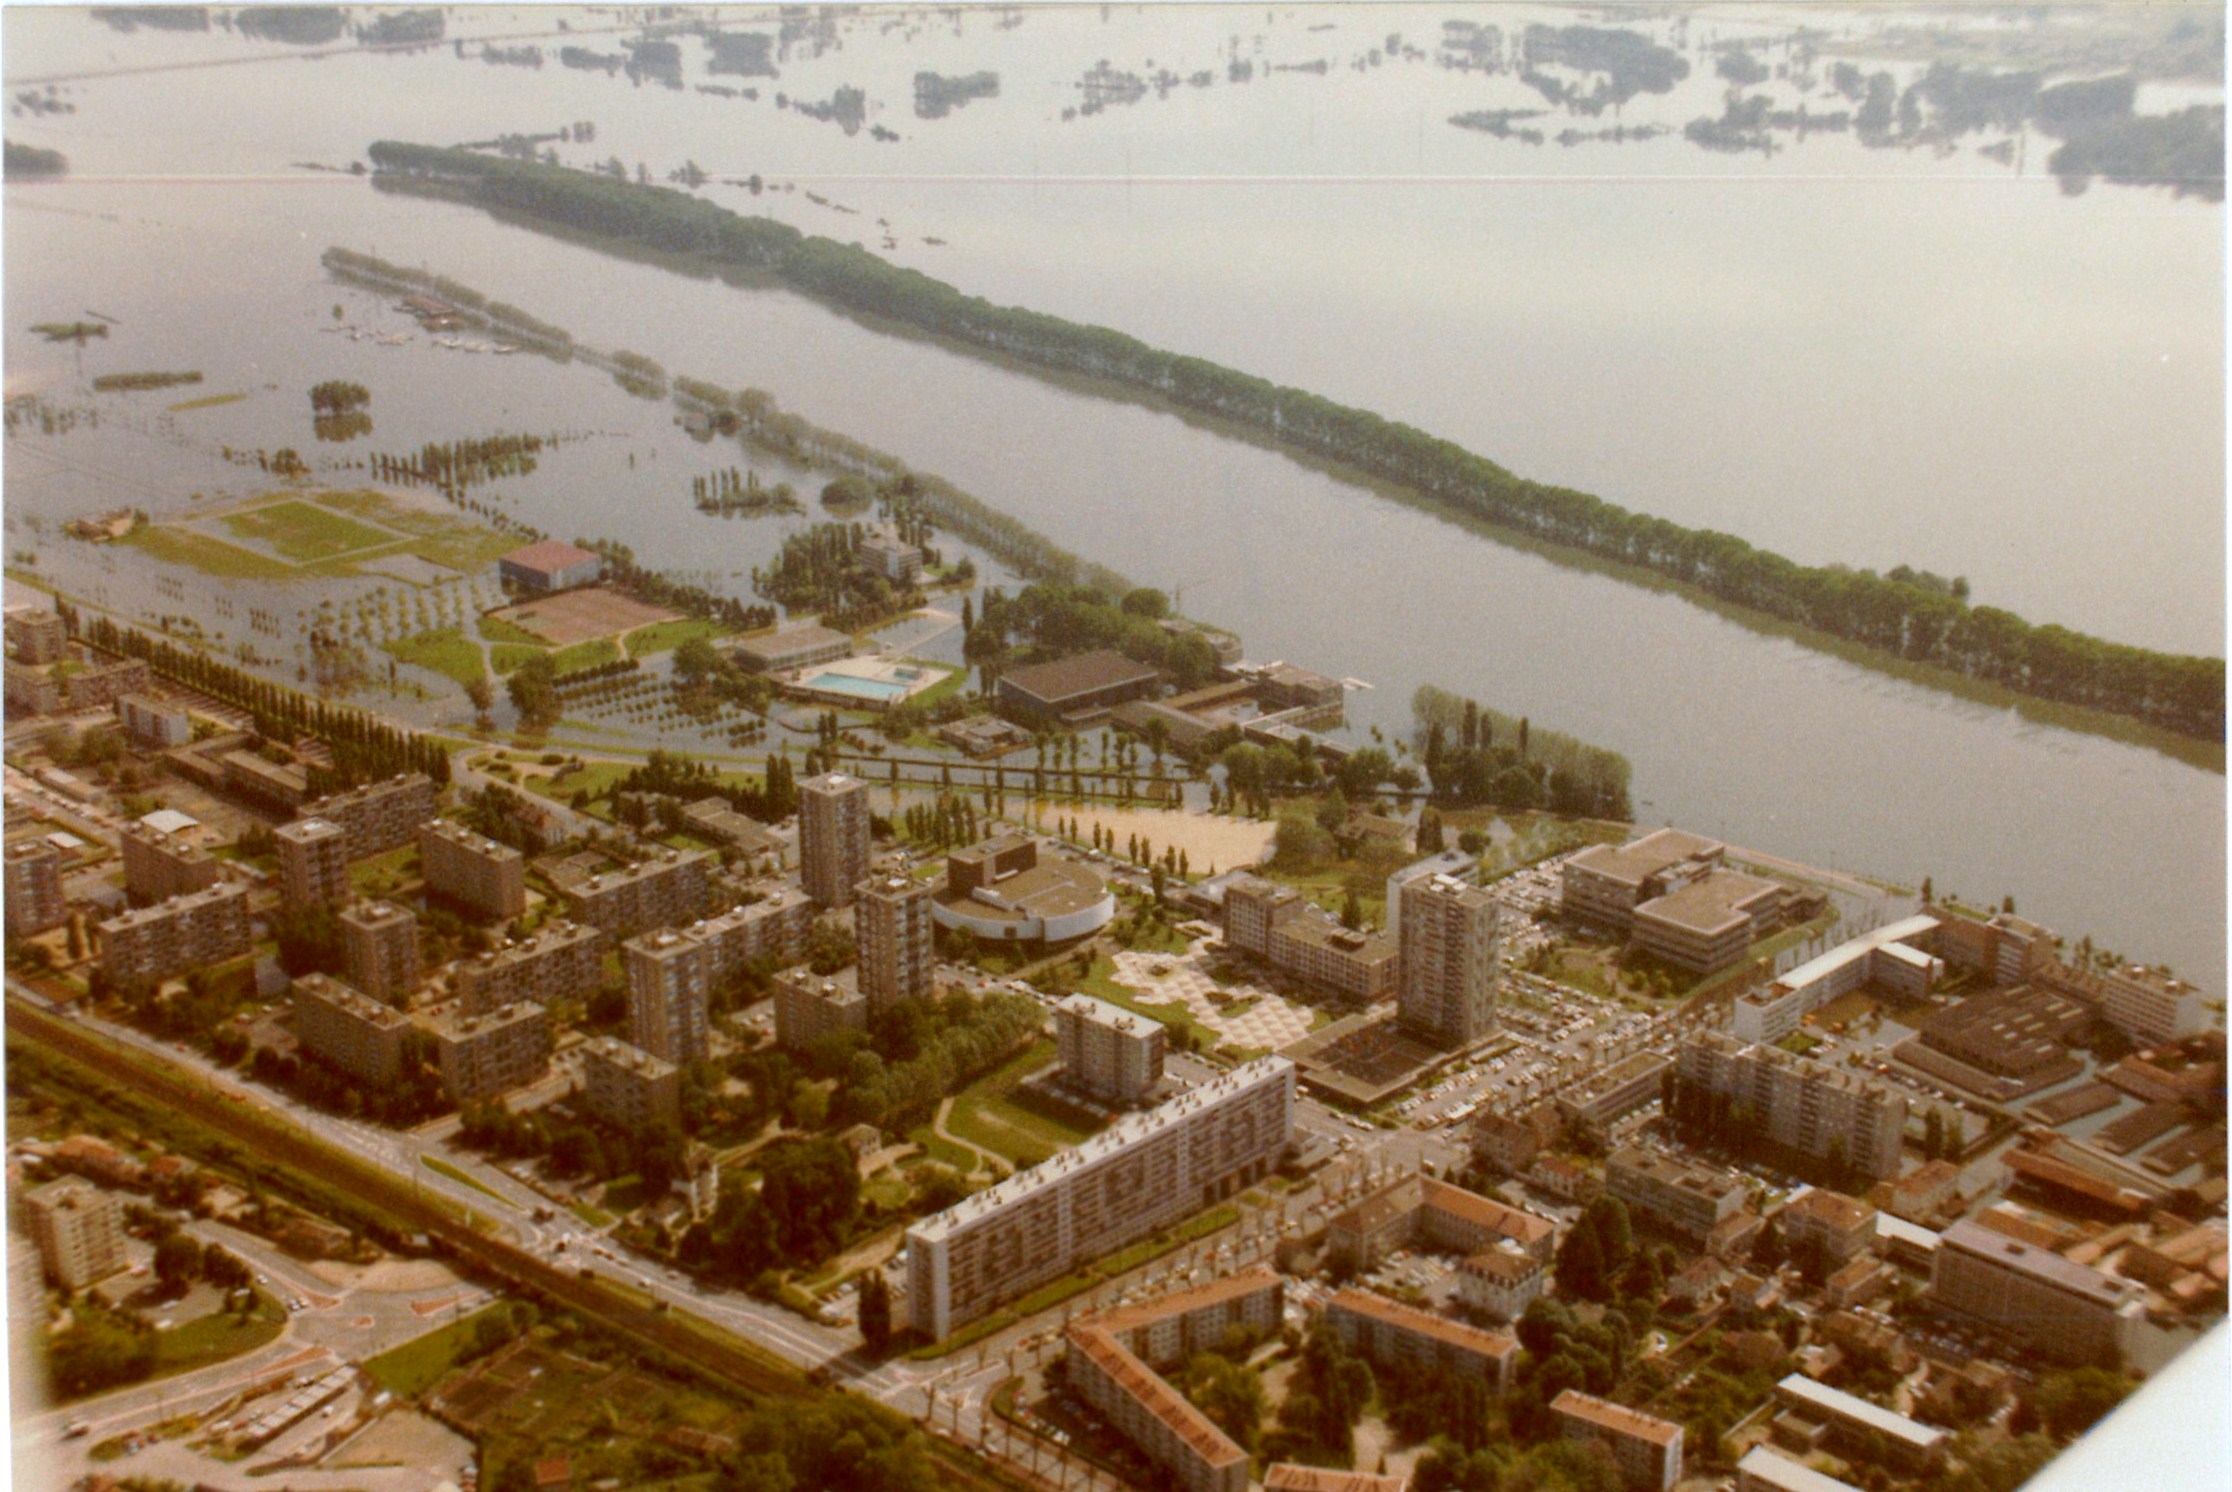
(1050, 1295)
(217, 1336)
(442, 1167)
(988, 1117)
(663, 637)
(416, 1366)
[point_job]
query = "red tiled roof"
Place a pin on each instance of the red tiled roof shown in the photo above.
(547, 554)
(1618, 1419)
(1495, 1345)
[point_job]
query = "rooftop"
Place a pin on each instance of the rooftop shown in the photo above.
(170, 821)
(349, 999)
(1085, 673)
(1511, 1222)
(1054, 887)
(1616, 1418)
(1838, 1403)
(621, 1054)
(1669, 1172)
(1101, 1013)
(1831, 1209)
(1135, 1378)
(547, 554)
(1288, 1476)
(2043, 1265)
(1506, 1264)
(1638, 860)
(1762, 1467)
(1494, 1344)
(306, 830)
(1183, 1302)
(1905, 930)
(1712, 903)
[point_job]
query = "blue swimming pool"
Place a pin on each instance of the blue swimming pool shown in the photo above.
(859, 688)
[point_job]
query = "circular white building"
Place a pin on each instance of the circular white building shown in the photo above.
(1006, 890)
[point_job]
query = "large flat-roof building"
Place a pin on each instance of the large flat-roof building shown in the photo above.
(1604, 884)
(1287, 930)
(158, 866)
(559, 961)
(472, 869)
(1816, 1411)
(809, 1006)
(892, 926)
(1647, 1449)
(1013, 888)
(78, 1229)
(2152, 1007)
(1689, 1200)
(194, 931)
(1142, 1172)
(2063, 1309)
(1767, 1470)
(1388, 1333)
(34, 888)
(1112, 1053)
(1116, 1359)
(1081, 685)
(349, 1029)
(663, 889)
(380, 944)
(833, 837)
(313, 863)
(798, 645)
(280, 785)
(1448, 942)
(486, 1055)
(628, 1088)
(1794, 1101)
(379, 816)
(548, 565)
(1710, 923)
(1610, 1095)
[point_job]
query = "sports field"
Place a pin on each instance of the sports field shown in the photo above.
(305, 532)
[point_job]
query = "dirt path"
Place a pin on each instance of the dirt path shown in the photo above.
(984, 1162)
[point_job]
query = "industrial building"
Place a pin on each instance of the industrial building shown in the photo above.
(546, 566)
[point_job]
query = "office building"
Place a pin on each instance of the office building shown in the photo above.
(1143, 1172)
(194, 931)
(1114, 1054)
(664, 889)
(1793, 1101)
(1013, 888)
(1829, 1226)
(348, 1029)
(1426, 1212)
(628, 1088)
(34, 887)
(1602, 885)
(78, 1230)
(809, 1006)
(1648, 1450)
(892, 932)
(473, 870)
(1287, 930)
(1813, 1415)
(152, 724)
(2151, 1007)
(483, 1056)
(1710, 923)
(833, 841)
(380, 943)
(1892, 956)
(558, 961)
(2006, 949)
(1610, 1095)
(1387, 1333)
(671, 980)
(1448, 940)
(158, 866)
(1685, 1199)
(1116, 1360)
(379, 816)
(313, 863)
(1501, 1282)
(2065, 1310)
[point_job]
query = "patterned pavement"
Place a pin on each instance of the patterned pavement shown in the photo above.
(1270, 1023)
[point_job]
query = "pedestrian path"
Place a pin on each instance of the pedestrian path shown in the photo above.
(1267, 1024)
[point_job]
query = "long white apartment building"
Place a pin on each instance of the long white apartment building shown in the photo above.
(1140, 1173)
(1887, 956)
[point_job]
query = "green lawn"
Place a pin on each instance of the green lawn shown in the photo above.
(506, 656)
(442, 1167)
(305, 532)
(438, 538)
(445, 650)
(936, 1147)
(217, 1336)
(584, 655)
(661, 637)
(985, 1116)
(384, 874)
(174, 545)
(416, 1366)
(1101, 985)
(955, 680)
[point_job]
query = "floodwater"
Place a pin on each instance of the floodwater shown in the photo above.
(1872, 356)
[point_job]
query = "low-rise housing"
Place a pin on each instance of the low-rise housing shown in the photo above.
(1830, 1415)
(1766, 1470)
(1501, 1282)
(279, 785)
(1431, 1213)
(1611, 1095)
